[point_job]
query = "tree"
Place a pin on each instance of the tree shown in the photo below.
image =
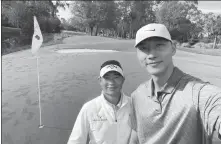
(174, 15)
(19, 14)
(123, 18)
(110, 21)
(90, 12)
(213, 26)
(141, 14)
(134, 14)
(56, 4)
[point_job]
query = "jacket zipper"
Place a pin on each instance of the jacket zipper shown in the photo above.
(115, 113)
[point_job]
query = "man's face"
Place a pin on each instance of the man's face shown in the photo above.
(112, 83)
(155, 55)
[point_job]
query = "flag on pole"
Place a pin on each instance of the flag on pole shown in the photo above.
(37, 38)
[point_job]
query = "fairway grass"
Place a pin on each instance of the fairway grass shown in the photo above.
(67, 81)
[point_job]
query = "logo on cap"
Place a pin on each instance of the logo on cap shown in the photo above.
(112, 66)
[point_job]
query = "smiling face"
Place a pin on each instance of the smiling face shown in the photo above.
(111, 83)
(155, 55)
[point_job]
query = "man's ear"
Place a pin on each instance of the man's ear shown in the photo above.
(173, 48)
(99, 79)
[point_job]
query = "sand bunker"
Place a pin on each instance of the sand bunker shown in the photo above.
(84, 51)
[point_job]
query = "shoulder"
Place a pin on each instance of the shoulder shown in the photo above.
(141, 88)
(210, 90)
(127, 100)
(200, 89)
(194, 82)
(126, 97)
(92, 105)
(201, 85)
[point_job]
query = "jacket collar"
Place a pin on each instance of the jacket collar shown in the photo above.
(123, 101)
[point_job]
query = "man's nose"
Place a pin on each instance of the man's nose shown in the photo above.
(151, 52)
(110, 80)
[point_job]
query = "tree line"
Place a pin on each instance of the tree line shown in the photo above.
(19, 14)
(184, 20)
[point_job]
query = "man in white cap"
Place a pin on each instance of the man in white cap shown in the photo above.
(105, 119)
(172, 107)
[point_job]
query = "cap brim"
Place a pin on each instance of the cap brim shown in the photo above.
(112, 71)
(151, 37)
(109, 68)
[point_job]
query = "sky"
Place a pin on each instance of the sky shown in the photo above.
(210, 6)
(204, 6)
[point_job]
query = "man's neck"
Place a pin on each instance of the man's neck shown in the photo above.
(113, 99)
(160, 80)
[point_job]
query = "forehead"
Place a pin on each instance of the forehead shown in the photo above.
(153, 39)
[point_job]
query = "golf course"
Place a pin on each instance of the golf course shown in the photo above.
(68, 80)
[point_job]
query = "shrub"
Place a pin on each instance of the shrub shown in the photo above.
(185, 45)
(199, 45)
(206, 40)
(204, 45)
(193, 41)
(218, 46)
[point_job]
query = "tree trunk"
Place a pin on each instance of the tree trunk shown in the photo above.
(91, 28)
(214, 43)
(218, 37)
(130, 33)
(108, 33)
(96, 31)
(124, 34)
(53, 11)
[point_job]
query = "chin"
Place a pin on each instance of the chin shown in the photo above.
(155, 71)
(111, 92)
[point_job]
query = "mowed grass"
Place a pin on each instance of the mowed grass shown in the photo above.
(213, 52)
(99, 43)
(67, 81)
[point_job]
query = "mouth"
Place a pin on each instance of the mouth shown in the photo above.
(154, 63)
(111, 88)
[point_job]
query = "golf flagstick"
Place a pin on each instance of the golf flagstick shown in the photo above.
(37, 41)
(39, 93)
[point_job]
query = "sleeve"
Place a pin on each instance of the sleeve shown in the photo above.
(219, 134)
(210, 108)
(132, 119)
(79, 134)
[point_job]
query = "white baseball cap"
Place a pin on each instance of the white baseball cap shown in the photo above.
(152, 30)
(111, 65)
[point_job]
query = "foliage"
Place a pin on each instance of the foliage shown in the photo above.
(91, 13)
(121, 17)
(19, 14)
(115, 18)
(178, 17)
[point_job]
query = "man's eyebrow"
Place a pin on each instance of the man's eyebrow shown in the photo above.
(118, 74)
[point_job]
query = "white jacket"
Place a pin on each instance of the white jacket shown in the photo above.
(102, 123)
